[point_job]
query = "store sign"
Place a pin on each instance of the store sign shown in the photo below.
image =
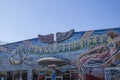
(73, 46)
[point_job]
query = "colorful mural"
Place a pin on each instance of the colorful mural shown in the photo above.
(91, 52)
(112, 73)
(101, 55)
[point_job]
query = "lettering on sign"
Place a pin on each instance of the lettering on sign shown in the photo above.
(57, 48)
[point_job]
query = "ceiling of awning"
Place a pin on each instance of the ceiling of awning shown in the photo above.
(52, 61)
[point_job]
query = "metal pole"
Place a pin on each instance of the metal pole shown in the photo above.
(38, 74)
(13, 76)
(6, 75)
(70, 74)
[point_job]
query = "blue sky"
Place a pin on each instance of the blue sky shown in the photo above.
(25, 19)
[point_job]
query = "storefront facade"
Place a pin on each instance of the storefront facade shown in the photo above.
(89, 55)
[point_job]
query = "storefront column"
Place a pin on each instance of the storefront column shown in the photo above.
(13, 75)
(20, 75)
(70, 74)
(81, 74)
(30, 75)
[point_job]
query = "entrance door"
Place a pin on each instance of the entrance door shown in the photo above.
(19, 75)
(56, 78)
(48, 77)
(53, 74)
(59, 78)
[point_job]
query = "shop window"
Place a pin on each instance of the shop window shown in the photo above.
(9, 75)
(24, 75)
(13, 75)
(3, 76)
(66, 75)
(74, 75)
(38, 75)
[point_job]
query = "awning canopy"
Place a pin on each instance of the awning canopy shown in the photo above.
(52, 61)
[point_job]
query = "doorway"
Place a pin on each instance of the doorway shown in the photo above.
(20, 75)
(56, 78)
(53, 74)
(47, 74)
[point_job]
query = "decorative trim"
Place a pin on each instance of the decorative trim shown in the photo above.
(46, 38)
(61, 36)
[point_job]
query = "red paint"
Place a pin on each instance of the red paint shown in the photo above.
(92, 77)
(41, 77)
